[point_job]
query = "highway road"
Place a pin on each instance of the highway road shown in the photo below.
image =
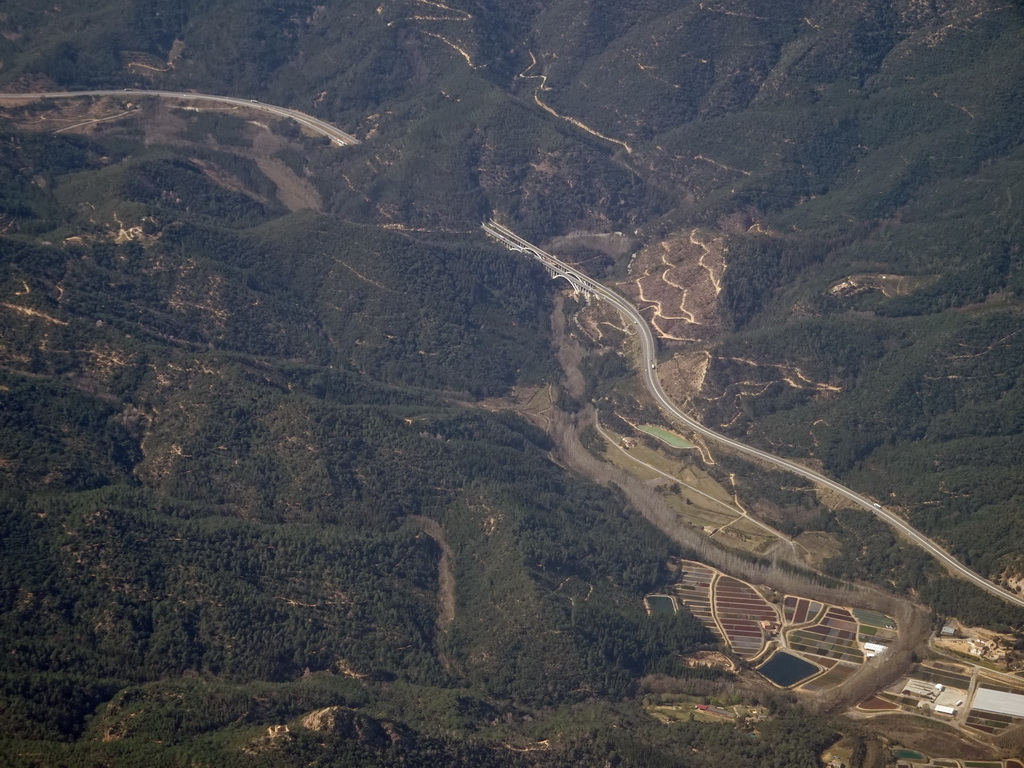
(650, 360)
(337, 136)
(625, 308)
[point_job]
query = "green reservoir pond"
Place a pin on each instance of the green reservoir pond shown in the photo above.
(661, 604)
(785, 669)
(665, 436)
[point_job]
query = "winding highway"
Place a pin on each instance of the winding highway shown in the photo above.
(321, 127)
(650, 360)
(647, 342)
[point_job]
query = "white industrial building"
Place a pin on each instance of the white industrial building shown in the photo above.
(874, 649)
(999, 702)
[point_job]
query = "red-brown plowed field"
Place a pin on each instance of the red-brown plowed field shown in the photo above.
(740, 611)
(841, 615)
(875, 704)
(834, 637)
(800, 609)
(694, 590)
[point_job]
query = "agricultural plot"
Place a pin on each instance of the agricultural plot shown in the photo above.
(693, 589)
(875, 627)
(702, 502)
(744, 533)
(838, 675)
(873, 619)
(824, 643)
(995, 707)
(745, 617)
(877, 704)
(943, 677)
(988, 722)
(799, 609)
(833, 637)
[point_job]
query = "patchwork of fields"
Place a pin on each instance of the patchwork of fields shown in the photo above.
(799, 609)
(993, 720)
(801, 642)
(694, 590)
(746, 618)
(833, 637)
(962, 695)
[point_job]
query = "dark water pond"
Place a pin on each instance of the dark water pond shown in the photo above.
(785, 669)
(661, 604)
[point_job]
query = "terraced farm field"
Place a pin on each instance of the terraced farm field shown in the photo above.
(873, 619)
(838, 675)
(874, 627)
(799, 609)
(988, 722)
(829, 640)
(693, 589)
(949, 679)
(740, 612)
(833, 637)
(877, 704)
(986, 719)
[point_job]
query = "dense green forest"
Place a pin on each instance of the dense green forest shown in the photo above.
(242, 458)
(220, 439)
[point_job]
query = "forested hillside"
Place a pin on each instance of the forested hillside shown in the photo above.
(244, 473)
(232, 470)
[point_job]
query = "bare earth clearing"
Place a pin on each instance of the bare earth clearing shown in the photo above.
(163, 122)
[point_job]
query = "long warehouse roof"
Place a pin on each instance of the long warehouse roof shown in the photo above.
(999, 702)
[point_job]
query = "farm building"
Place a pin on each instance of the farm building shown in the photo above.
(921, 689)
(999, 702)
(874, 649)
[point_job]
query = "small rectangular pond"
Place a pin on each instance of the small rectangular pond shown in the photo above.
(670, 438)
(660, 604)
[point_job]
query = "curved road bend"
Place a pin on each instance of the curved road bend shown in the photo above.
(649, 352)
(321, 127)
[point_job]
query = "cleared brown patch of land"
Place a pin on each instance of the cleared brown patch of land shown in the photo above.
(875, 704)
(164, 121)
(295, 193)
(930, 737)
(445, 570)
(889, 285)
(819, 546)
(676, 283)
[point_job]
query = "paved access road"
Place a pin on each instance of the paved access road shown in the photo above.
(321, 127)
(650, 373)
